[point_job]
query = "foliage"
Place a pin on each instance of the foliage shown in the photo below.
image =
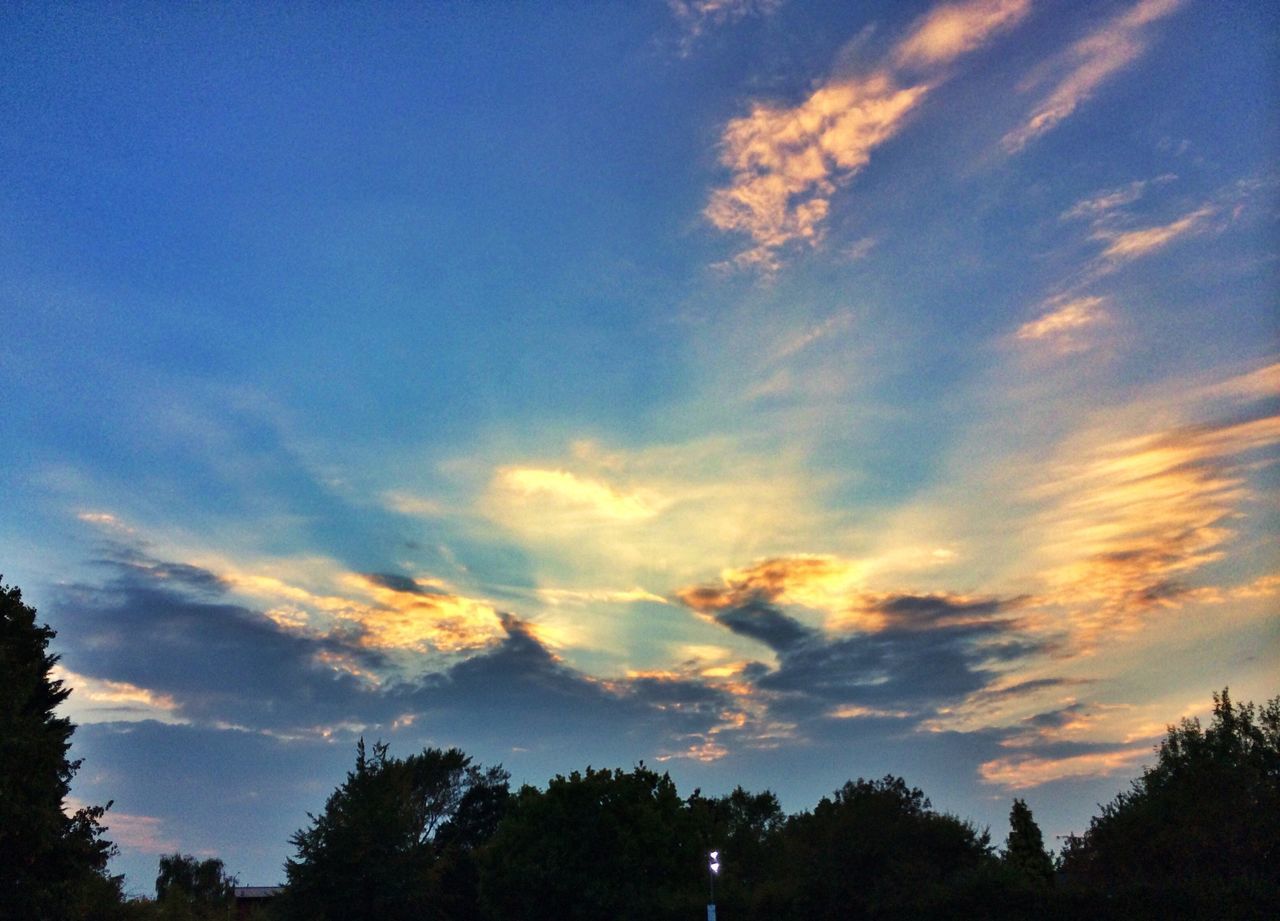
(1200, 830)
(52, 865)
(599, 844)
(392, 836)
(743, 827)
(1024, 853)
(875, 849)
(188, 889)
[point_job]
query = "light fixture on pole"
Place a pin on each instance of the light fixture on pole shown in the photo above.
(713, 869)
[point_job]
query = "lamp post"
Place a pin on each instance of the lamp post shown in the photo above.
(713, 869)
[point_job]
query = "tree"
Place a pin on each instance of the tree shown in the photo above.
(52, 865)
(390, 837)
(875, 849)
(1024, 853)
(187, 888)
(600, 844)
(743, 827)
(1199, 831)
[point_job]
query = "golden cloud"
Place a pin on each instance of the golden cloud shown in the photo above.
(953, 29)
(787, 162)
(1134, 517)
(1134, 244)
(1089, 63)
(99, 700)
(1060, 324)
(579, 493)
(1023, 772)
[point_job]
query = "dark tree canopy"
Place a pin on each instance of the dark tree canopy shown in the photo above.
(600, 844)
(52, 865)
(1024, 853)
(1198, 831)
(392, 835)
(190, 888)
(875, 849)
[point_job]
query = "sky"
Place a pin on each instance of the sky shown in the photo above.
(773, 392)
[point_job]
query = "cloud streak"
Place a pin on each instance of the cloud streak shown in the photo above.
(1134, 244)
(1087, 65)
(788, 162)
(952, 29)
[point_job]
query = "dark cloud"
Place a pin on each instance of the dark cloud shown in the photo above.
(933, 649)
(762, 621)
(927, 611)
(170, 628)
(398, 583)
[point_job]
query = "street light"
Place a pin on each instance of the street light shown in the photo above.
(713, 869)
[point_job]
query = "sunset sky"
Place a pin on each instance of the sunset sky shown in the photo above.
(777, 392)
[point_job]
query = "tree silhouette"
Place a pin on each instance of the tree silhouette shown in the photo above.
(1198, 832)
(875, 849)
(377, 849)
(600, 844)
(194, 889)
(1024, 853)
(52, 865)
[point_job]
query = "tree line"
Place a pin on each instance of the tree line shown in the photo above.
(434, 835)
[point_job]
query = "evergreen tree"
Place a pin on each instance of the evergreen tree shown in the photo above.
(52, 865)
(395, 840)
(1024, 852)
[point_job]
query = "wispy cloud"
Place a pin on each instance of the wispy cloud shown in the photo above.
(787, 162)
(1022, 772)
(98, 700)
(1132, 519)
(697, 16)
(1134, 244)
(143, 833)
(1101, 204)
(1060, 326)
(574, 491)
(1087, 65)
(953, 29)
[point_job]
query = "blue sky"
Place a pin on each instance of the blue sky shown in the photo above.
(774, 392)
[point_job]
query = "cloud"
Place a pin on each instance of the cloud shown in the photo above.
(143, 833)
(1022, 772)
(952, 29)
(697, 16)
(1087, 65)
(557, 596)
(1134, 244)
(909, 653)
(96, 700)
(569, 490)
(1103, 204)
(1132, 519)
(787, 162)
(1060, 327)
(192, 656)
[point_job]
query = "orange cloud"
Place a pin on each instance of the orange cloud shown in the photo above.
(423, 618)
(1060, 325)
(1089, 63)
(1134, 244)
(787, 162)
(953, 29)
(817, 582)
(99, 700)
(1023, 772)
(1133, 518)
